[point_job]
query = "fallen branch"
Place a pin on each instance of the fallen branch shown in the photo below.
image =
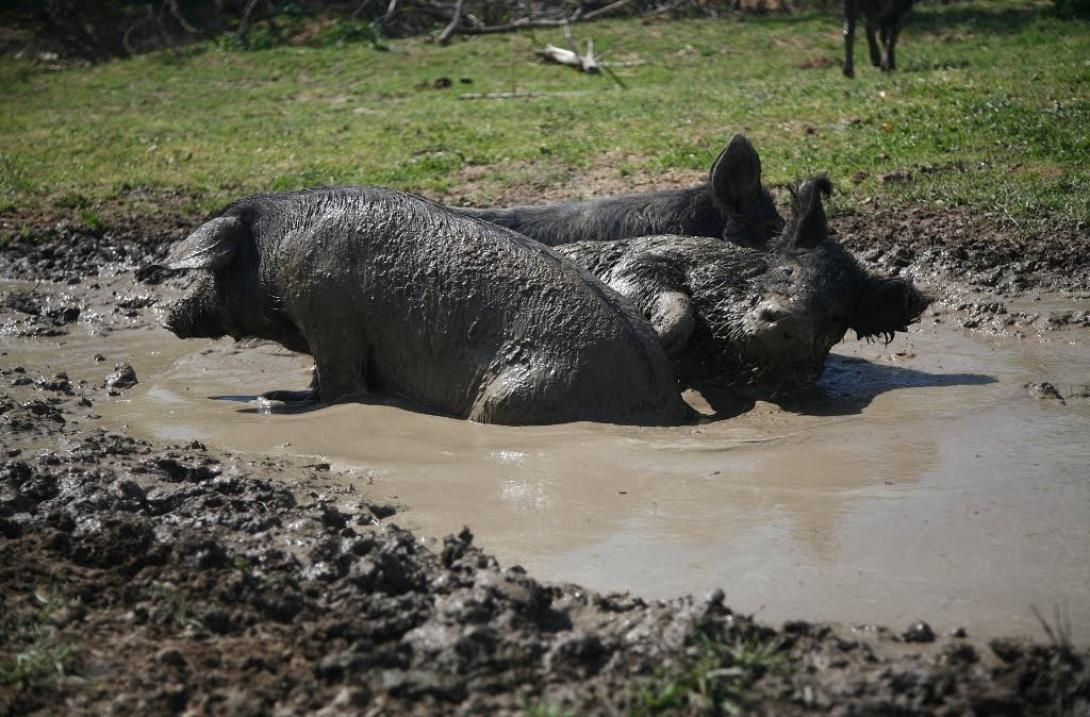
(444, 36)
(584, 63)
(590, 62)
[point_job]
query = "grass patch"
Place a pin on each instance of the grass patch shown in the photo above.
(176, 603)
(972, 127)
(719, 679)
(42, 663)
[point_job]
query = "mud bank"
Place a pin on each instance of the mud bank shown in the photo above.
(156, 575)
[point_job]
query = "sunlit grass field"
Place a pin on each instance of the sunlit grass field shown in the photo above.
(989, 109)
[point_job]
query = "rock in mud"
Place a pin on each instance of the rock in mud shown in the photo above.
(123, 376)
(1044, 391)
(171, 656)
(918, 632)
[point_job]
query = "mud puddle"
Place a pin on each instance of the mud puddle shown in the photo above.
(922, 480)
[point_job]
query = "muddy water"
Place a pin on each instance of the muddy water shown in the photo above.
(921, 481)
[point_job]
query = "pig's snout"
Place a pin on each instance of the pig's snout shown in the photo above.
(179, 319)
(784, 333)
(197, 314)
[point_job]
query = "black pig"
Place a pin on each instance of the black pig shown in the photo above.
(761, 322)
(732, 204)
(396, 295)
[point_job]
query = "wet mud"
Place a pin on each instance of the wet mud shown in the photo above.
(173, 544)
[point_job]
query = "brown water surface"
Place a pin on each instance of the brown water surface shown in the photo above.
(920, 481)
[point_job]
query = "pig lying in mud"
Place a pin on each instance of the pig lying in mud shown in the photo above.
(732, 204)
(396, 295)
(761, 323)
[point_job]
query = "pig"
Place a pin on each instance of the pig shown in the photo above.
(732, 205)
(394, 295)
(884, 18)
(760, 323)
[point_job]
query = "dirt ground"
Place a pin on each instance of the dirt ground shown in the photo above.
(159, 578)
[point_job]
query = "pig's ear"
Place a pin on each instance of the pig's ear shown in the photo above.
(736, 174)
(210, 247)
(887, 306)
(808, 227)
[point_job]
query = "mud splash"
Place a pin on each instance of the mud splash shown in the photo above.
(922, 479)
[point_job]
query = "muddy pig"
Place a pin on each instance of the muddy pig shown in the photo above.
(884, 20)
(732, 204)
(761, 323)
(397, 296)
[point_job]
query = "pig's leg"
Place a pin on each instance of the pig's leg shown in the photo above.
(893, 31)
(872, 43)
(851, 10)
(511, 397)
(340, 367)
(652, 285)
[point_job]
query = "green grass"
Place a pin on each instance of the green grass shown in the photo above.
(42, 663)
(989, 109)
(44, 657)
(719, 679)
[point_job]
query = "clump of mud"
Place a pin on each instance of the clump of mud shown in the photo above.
(145, 578)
